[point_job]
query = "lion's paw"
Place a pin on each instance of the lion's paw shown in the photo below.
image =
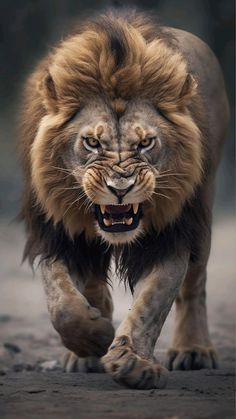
(195, 358)
(128, 368)
(83, 330)
(73, 363)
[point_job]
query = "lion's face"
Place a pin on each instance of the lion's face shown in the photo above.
(122, 166)
(116, 160)
(115, 176)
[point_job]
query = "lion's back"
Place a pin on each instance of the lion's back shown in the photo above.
(205, 67)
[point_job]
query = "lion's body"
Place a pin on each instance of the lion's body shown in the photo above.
(203, 63)
(150, 102)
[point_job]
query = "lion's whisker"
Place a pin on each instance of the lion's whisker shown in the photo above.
(87, 205)
(170, 174)
(168, 187)
(76, 200)
(71, 188)
(160, 194)
(62, 169)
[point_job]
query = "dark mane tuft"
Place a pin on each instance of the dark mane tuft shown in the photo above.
(189, 231)
(118, 47)
(48, 242)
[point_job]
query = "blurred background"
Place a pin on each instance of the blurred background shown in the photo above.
(30, 27)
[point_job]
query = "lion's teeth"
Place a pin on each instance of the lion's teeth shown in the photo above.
(129, 221)
(117, 222)
(135, 208)
(103, 208)
(107, 222)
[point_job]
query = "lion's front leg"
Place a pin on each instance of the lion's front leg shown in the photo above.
(84, 329)
(130, 358)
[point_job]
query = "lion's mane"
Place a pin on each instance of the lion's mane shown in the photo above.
(119, 56)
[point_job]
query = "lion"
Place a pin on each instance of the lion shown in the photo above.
(122, 127)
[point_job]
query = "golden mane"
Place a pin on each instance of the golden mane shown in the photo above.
(111, 56)
(120, 59)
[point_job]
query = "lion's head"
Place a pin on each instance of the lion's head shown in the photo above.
(117, 151)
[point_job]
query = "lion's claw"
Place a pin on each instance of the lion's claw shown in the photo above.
(195, 358)
(128, 368)
(73, 363)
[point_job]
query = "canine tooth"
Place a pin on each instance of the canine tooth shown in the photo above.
(107, 222)
(129, 220)
(135, 208)
(103, 208)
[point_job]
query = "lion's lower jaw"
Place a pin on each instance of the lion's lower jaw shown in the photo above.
(121, 238)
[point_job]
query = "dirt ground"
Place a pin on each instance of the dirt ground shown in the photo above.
(33, 385)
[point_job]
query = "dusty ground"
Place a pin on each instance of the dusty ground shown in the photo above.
(27, 340)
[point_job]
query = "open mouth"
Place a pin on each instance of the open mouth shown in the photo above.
(118, 218)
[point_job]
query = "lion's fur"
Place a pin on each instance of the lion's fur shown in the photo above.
(124, 111)
(88, 63)
(117, 58)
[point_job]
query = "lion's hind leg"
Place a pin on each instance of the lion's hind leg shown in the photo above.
(191, 347)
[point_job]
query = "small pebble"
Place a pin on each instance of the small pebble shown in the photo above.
(2, 372)
(49, 365)
(12, 347)
(4, 318)
(21, 366)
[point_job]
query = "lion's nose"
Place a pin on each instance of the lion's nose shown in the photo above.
(121, 186)
(119, 192)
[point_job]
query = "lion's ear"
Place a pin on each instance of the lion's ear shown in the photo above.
(48, 92)
(188, 90)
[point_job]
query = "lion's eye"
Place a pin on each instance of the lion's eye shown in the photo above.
(91, 144)
(146, 144)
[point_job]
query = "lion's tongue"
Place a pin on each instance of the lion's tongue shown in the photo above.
(117, 209)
